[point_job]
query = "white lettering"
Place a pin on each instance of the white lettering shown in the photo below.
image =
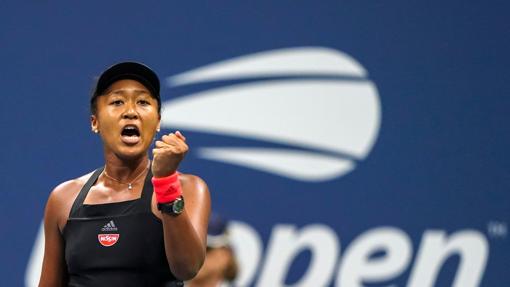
(375, 256)
(247, 246)
(358, 266)
(286, 243)
(470, 245)
(33, 272)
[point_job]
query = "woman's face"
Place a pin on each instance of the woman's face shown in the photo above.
(127, 119)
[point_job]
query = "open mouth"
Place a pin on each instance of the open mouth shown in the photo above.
(130, 134)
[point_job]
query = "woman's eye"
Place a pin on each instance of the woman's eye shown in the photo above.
(143, 102)
(116, 102)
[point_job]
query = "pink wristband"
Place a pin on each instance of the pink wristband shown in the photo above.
(168, 188)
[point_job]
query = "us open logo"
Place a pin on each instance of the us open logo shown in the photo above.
(316, 102)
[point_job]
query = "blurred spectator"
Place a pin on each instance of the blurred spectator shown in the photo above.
(220, 264)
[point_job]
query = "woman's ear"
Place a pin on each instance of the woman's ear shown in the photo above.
(94, 125)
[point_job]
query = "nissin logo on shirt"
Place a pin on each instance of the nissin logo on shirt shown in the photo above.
(108, 240)
(315, 102)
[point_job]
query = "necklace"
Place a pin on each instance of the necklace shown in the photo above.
(129, 184)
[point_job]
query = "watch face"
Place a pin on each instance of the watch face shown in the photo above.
(178, 206)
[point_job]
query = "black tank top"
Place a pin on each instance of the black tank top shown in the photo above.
(116, 244)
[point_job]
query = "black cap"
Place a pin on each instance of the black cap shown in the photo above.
(127, 70)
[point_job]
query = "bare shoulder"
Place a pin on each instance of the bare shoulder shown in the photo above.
(62, 197)
(68, 189)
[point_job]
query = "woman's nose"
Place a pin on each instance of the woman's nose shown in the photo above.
(130, 112)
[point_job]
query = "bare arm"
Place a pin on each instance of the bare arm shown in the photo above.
(53, 269)
(185, 234)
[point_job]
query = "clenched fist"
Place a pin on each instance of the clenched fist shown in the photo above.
(168, 153)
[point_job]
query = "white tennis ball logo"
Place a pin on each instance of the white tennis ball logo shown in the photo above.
(320, 106)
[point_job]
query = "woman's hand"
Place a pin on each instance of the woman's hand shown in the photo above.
(168, 154)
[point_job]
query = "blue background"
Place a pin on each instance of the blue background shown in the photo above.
(441, 69)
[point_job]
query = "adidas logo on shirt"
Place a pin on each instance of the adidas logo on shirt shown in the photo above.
(110, 226)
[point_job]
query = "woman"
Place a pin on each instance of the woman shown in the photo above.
(108, 227)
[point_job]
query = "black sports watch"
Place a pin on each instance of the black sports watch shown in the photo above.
(174, 207)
